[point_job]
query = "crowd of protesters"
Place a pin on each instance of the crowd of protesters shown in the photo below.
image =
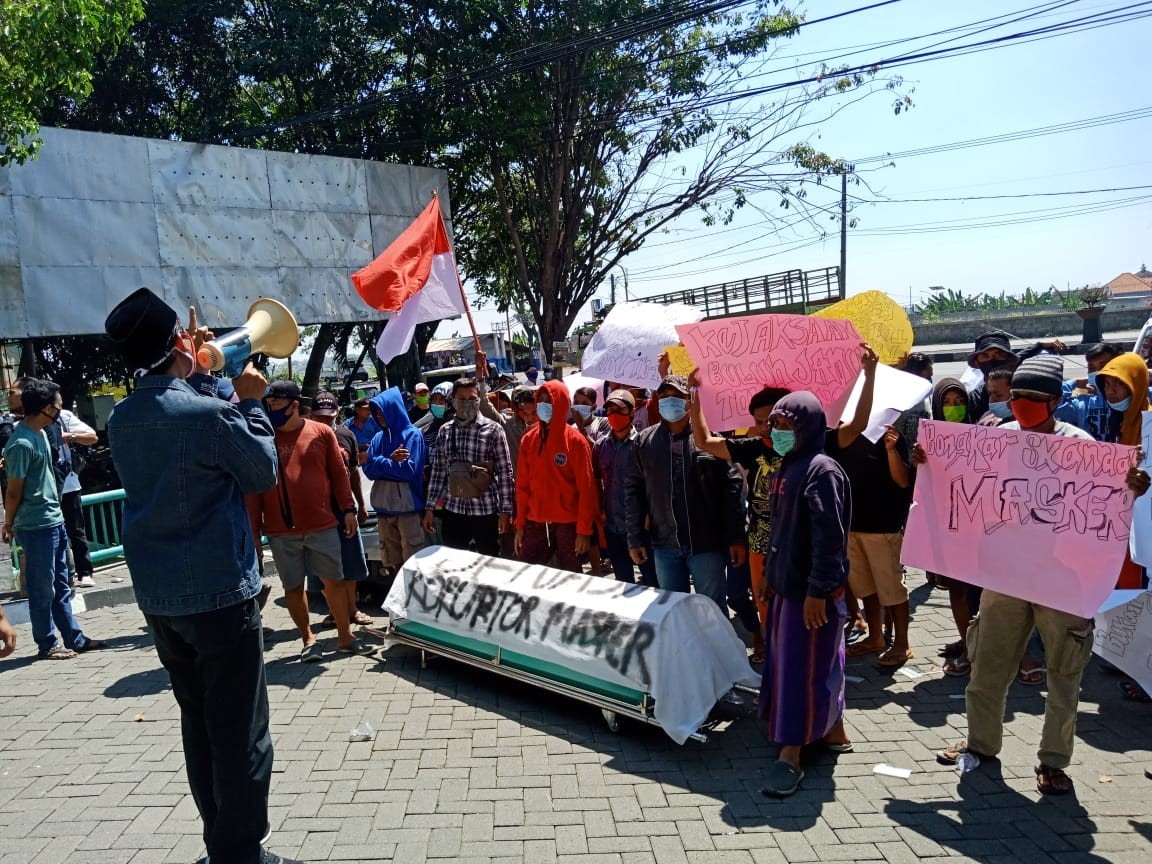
(794, 527)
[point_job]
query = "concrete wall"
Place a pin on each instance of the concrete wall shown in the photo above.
(1030, 325)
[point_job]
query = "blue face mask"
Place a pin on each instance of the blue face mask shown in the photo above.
(585, 411)
(1001, 409)
(278, 417)
(673, 408)
(1121, 406)
(1092, 380)
(544, 412)
(783, 441)
(438, 411)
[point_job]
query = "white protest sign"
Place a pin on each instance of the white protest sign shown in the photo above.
(629, 343)
(579, 379)
(895, 393)
(1140, 544)
(677, 647)
(1124, 638)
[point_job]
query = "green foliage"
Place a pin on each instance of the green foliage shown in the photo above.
(952, 301)
(47, 50)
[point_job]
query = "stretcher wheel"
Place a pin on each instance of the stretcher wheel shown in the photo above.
(612, 719)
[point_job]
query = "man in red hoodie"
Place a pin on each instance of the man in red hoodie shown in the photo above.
(556, 499)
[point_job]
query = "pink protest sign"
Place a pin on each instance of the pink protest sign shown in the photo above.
(739, 356)
(1039, 517)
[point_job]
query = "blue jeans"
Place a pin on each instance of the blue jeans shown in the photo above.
(622, 566)
(49, 594)
(678, 569)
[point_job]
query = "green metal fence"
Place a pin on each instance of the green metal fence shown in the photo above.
(103, 517)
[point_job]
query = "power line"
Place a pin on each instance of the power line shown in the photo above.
(997, 197)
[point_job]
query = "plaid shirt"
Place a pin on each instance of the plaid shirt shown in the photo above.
(481, 441)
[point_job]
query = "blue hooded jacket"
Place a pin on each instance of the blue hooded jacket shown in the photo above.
(811, 509)
(397, 431)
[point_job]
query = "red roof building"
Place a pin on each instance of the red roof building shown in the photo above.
(1132, 284)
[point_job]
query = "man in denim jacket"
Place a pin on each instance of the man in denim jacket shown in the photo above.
(186, 463)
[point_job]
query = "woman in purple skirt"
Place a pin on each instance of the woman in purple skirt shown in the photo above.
(802, 694)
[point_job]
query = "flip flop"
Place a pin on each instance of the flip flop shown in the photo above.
(1052, 781)
(892, 659)
(859, 649)
(783, 779)
(1032, 677)
(958, 667)
(58, 653)
(838, 746)
(91, 645)
(312, 653)
(356, 646)
(951, 754)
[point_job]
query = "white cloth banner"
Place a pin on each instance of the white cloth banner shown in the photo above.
(896, 392)
(629, 343)
(1124, 638)
(1140, 540)
(677, 647)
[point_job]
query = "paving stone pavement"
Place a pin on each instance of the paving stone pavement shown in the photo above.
(468, 767)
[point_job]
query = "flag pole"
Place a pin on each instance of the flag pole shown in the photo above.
(460, 284)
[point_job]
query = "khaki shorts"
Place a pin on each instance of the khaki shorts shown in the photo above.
(297, 555)
(401, 537)
(874, 567)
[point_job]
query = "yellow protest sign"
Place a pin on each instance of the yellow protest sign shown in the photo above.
(881, 321)
(682, 363)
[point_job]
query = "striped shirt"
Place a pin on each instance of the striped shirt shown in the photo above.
(480, 441)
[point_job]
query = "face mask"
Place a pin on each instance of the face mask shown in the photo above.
(466, 410)
(422, 401)
(585, 411)
(279, 417)
(1003, 410)
(1092, 380)
(1120, 406)
(783, 441)
(438, 411)
(619, 422)
(531, 376)
(673, 408)
(547, 376)
(955, 413)
(1030, 414)
(544, 412)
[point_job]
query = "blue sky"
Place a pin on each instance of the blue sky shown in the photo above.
(1022, 86)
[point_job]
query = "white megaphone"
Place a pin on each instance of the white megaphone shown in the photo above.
(270, 329)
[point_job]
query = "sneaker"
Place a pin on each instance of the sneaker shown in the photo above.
(86, 581)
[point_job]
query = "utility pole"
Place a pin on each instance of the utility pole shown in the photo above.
(612, 282)
(844, 233)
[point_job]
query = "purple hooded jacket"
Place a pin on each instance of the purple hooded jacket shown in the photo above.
(811, 509)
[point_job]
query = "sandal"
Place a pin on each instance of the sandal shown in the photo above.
(91, 645)
(892, 659)
(783, 780)
(1032, 677)
(329, 620)
(356, 646)
(951, 754)
(1133, 692)
(838, 746)
(952, 649)
(59, 652)
(362, 619)
(958, 667)
(862, 649)
(311, 653)
(1052, 781)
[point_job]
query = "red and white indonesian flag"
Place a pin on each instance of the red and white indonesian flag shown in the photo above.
(415, 279)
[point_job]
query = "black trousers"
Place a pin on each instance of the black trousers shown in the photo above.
(216, 662)
(458, 531)
(73, 512)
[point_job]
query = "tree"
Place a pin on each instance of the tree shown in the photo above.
(565, 167)
(47, 51)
